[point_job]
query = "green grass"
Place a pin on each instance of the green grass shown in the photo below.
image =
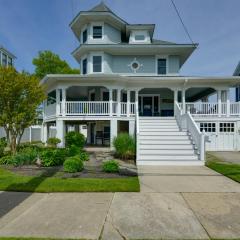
(230, 170)
(10, 181)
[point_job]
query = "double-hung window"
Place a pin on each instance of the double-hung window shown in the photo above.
(97, 32)
(162, 66)
(97, 64)
(84, 66)
(10, 61)
(84, 36)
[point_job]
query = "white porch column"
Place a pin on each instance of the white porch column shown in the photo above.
(118, 101)
(183, 102)
(219, 97)
(131, 127)
(44, 132)
(136, 102)
(60, 127)
(228, 102)
(128, 103)
(175, 100)
(63, 101)
(113, 131)
(57, 102)
(110, 101)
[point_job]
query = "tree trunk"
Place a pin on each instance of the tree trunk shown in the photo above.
(13, 143)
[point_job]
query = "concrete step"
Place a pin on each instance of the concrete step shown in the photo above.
(163, 138)
(167, 157)
(157, 118)
(172, 152)
(153, 145)
(160, 127)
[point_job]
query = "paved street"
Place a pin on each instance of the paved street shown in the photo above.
(174, 202)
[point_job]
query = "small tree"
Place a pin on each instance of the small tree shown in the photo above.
(20, 96)
(48, 62)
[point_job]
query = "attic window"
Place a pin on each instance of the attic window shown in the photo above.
(139, 37)
(97, 32)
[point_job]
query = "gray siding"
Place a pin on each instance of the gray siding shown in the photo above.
(111, 34)
(174, 64)
(108, 63)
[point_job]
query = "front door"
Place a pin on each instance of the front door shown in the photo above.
(149, 105)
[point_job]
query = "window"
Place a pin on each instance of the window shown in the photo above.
(84, 66)
(97, 32)
(162, 66)
(4, 59)
(105, 96)
(208, 127)
(226, 127)
(84, 36)
(139, 37)
(10, 63)
(97, 63)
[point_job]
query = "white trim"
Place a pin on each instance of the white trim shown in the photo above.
(167, 64)
(100, 24)
(145, 33)
(96, 54)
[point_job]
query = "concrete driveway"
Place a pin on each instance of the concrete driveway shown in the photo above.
(174, 203)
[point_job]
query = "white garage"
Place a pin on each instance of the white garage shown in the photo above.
(223, 135)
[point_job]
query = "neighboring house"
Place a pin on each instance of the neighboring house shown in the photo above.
(130, 82)
(6, 57)
(237, 73)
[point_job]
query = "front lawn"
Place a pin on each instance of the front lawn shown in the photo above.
(10, 181)
(227, 169)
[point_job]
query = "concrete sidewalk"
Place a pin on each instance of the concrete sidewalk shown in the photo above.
(170, 206)
(232, 157)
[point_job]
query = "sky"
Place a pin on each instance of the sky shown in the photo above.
(28, 26)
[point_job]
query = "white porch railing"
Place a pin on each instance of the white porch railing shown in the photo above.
(212, 108)
(185, 121)
(96, 108)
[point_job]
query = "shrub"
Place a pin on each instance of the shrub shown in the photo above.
(73, 151)
(84, 156)
(125, 146)
(6, 160)
(34, 145)
(53, 157)
(3, 144)
(75, 138)
(73, 164)
(24, 157)
(111, 166)
(53, 141)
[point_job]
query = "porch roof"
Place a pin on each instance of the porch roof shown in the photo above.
(143, 81)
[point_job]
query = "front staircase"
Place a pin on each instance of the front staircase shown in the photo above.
(161, 142)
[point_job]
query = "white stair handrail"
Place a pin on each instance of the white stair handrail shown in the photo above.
(137, 130)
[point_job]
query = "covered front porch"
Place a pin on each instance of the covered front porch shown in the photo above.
(102, 102)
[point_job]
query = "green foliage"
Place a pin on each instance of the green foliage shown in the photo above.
(48, 62)
(26, 156)
(53, 141)
(53, 157)
(125, 146)
(3, 144)
(6, 160)
(75, 138)
(111, 166)
(84, 156)
(20, 96)
(74, 150)
(73, 164)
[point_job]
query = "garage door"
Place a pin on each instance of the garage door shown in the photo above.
(221, 135)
